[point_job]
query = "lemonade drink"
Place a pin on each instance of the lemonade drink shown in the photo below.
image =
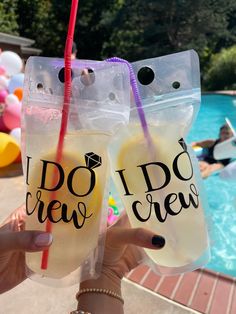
(158, 188)
(69, 193)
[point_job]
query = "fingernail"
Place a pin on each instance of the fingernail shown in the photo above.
(158, 241)
(43, 239)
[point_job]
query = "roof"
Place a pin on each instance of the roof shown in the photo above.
(15, 40)
(30, 50)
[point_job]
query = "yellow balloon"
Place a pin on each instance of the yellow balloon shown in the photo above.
(9, 150)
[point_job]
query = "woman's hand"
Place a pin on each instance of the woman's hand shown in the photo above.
(14, 242)
(122, 253)
(122, 247)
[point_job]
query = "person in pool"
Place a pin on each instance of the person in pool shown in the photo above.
(207, 163)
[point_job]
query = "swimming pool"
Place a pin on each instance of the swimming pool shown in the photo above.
(221, 194)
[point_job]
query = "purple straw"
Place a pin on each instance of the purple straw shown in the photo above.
(136, 94)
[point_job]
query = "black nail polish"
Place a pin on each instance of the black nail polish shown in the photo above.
(158, 241)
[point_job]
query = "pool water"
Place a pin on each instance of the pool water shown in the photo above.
(221, 194)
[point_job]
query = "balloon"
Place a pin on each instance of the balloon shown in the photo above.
(9, 150)
(16, 134)
(3, 128)
(19, 93)
(11, 99)
(11, 62)
(2, 70)
(3, 95)
(2, 108)
(3, 82)
(18, 159)
(11, 116)
(16, 81)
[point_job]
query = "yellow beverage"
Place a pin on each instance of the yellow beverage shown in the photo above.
(74, 207)
(159, 191)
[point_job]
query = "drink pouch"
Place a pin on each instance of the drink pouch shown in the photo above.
(70, 194)
(154, 170)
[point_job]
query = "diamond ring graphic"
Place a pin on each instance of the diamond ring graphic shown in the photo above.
(92, 160)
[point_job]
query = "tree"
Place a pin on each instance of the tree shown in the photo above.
(221, 73)
(125, 24)
(36, 21)
(150, 28)
(8, 17)
(91, 33)
(132, 29)
(47, 22)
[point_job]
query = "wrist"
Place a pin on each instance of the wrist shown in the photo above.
(101, 295)
(106, 280)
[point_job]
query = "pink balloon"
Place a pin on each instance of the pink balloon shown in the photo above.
(3, 95)
(11, 116)
(2, 70)
(3, 128)
(2, 108)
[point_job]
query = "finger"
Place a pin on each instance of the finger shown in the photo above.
(29, 241)
(138, 236)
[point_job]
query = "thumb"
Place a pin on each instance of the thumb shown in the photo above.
(29, 241)
(137, 236)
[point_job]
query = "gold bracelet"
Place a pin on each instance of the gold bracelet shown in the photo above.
(101, 291)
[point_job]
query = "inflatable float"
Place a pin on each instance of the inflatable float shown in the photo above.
(227, 149)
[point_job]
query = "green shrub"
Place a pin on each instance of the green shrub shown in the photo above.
(221, 73)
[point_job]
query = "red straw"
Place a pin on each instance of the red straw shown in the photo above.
(66, 106)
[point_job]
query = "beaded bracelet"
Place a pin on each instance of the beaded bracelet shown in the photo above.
(101, 291)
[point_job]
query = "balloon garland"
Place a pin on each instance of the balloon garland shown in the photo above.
(11, 93)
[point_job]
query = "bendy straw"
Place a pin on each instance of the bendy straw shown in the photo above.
(66, 105)
(137, 100)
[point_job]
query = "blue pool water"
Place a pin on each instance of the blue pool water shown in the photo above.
(221, 194)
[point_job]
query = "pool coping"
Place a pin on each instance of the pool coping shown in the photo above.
(202, 290)
(221, 92)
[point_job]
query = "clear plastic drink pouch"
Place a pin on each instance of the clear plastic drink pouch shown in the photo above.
(154, 170)
(70, 195)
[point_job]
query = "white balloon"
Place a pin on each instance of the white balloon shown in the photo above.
(11, 99)
(11, 62)
(3, 82)
(16, 134)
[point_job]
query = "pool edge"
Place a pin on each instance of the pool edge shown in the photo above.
(202, 290)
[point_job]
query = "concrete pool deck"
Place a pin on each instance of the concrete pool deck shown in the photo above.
(32, 298)
(200, 291)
